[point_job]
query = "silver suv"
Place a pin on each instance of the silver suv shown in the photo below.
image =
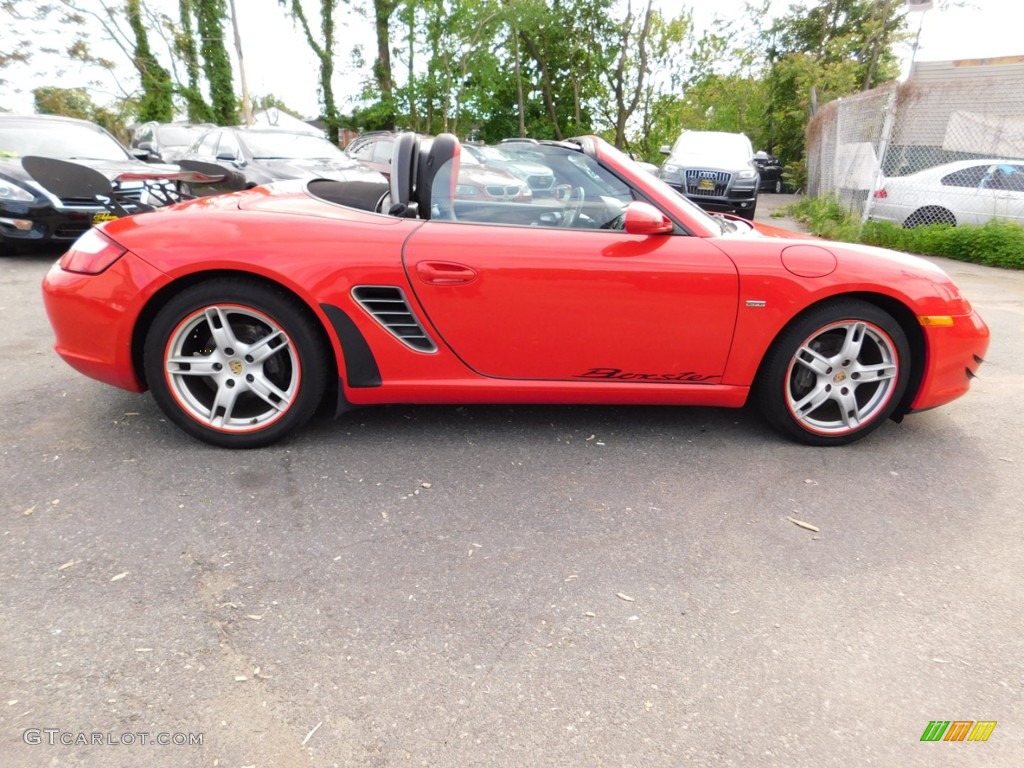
(715, 170)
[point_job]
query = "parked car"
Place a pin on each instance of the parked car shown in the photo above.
(484, 182)
(963, 192)
(715, 170)
(373, 150)
(770, 171)
(165, 142)
(31, 215)
(476, 179)
(539, 177)
(253, 156)
(243, 319)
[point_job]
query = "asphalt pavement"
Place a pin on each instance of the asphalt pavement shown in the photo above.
(506, 586)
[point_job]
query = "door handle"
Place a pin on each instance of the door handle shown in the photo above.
(445, 273)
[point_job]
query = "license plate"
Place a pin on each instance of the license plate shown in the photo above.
(706, 184)
(99, 218)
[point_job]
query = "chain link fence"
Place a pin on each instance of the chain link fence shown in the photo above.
(927, 151)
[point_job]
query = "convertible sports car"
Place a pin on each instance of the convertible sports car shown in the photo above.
(245, 313)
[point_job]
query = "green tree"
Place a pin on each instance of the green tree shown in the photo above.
(820, 52)
(157, 101)
(324, 51)
(211, 16)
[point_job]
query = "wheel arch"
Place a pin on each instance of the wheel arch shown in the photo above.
(169, 291)
(900, 312)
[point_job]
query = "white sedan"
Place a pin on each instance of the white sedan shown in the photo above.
(964, 192)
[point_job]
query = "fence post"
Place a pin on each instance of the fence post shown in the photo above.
(883, 149)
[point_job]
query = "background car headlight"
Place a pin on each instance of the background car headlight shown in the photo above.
(9, 191)
(464, 190)
(668, 168)
(747, 174)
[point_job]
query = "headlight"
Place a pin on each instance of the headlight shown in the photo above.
(747, 174)
(669, 168)
(464, 190)
(9, 191)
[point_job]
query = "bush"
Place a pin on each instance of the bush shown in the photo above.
(995, 244)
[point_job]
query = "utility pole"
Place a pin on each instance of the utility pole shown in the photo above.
(246, 104)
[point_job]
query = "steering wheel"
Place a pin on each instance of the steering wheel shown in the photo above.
(573, 206)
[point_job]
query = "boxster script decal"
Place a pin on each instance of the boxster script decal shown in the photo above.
(617, 374)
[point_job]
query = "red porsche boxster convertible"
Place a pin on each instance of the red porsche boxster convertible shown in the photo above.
(244, 313)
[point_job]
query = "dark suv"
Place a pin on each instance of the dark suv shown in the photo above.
(715, 170)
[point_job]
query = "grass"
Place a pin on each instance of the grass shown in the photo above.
(995, 244)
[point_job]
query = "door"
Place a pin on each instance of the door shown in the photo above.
(560, 304)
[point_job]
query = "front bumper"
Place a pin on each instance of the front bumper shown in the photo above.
(954, 354)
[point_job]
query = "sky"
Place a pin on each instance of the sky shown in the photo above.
(278, 60)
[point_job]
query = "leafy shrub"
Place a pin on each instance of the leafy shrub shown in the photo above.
(995, 244)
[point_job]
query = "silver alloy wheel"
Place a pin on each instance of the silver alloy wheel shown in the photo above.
(231, 368)
(841, 377)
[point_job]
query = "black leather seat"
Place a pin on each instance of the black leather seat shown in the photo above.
(436, 178)
(404, 163)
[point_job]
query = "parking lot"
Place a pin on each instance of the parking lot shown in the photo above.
(506, 586)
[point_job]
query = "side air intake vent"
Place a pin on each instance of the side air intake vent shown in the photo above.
(388, 306)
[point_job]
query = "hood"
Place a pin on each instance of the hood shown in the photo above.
(323, 168)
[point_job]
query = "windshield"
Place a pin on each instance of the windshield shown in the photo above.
(178, 136)
(292, 146)
(64, 141)
(705, 144)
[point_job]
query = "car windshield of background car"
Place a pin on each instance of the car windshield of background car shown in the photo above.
(291, 146)
(709, 146)
(178, 136)
(64, 142)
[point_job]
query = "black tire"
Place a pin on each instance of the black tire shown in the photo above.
(930, 214)
(834, 374)
(235, 363)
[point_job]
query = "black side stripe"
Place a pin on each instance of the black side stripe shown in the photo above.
(360, 366)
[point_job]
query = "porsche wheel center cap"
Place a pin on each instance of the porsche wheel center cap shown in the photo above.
(839, 377)
(236, 367)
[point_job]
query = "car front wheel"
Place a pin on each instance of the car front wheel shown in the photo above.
(835, 374)
(235, 363)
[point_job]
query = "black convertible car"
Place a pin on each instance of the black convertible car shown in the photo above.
(30, 215)
(770, 170)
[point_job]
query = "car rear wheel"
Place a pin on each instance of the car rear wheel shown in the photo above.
(835, 374)
(235, 363)
(778, 186)
(930, 214)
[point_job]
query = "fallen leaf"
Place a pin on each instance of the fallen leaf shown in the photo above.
(627, 598)
(29, 511)
(426, 485)
(253, 616)
(120, 576)
(802, 524)
(68, 564)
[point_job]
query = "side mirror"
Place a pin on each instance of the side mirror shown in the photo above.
(644, 219)
(665, 149)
